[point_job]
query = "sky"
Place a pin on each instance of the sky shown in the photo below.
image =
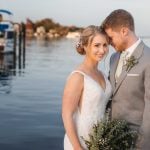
(79, 12)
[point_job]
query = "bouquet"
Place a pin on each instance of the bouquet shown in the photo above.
(111, 135)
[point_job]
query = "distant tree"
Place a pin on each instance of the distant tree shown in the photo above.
(73, 28)
(50, 25)
(30, 24)
(47, 23)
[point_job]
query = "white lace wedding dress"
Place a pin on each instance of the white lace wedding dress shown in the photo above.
(93, 108)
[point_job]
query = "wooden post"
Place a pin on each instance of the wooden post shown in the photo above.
(20, 47)
(24, 43)
(14, 50)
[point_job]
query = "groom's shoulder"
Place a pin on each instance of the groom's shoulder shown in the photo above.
(147, 48)
(145, 59)
(146, 51)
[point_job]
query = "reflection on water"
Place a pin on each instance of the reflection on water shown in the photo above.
(30, 98)
(5, 81)
(6, 65)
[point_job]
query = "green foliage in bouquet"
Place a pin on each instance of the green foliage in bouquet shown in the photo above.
(111, 135)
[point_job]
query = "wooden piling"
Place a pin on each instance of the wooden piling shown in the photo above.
(14, 50)
(24, 43)
(20, 48)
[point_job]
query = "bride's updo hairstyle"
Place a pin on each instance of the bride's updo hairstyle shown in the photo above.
(86, 37)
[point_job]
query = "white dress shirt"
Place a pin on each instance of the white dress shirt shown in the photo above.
(125, 55)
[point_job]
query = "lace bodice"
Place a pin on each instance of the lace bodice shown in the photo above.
(94, 101)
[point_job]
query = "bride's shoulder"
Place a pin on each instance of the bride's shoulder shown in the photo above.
(76, 75)
(75, 80)
(78, 72)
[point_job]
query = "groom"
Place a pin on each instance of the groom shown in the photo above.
(129, 75)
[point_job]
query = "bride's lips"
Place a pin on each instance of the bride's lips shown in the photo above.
(101, 56)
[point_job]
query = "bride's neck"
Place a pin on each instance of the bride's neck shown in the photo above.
(90, 65)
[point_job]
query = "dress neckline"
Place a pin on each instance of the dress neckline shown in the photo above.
(99, 85)
(104, 90)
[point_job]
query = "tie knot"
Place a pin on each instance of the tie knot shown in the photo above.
(123, 53)
(123, 56)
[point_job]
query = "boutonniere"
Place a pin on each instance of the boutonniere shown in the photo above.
(130, 62)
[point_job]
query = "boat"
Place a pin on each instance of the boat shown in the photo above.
(72, 35)
(6, 34)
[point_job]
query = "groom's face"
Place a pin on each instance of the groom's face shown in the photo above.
(116, 39)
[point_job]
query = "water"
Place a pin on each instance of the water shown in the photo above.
(30, 98)
(30, 109)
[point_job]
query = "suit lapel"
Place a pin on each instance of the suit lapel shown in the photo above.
(113, 68)
(137, 54)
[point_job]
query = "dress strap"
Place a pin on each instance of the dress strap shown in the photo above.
(78, 71)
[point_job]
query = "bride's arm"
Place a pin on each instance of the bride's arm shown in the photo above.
(71, 97)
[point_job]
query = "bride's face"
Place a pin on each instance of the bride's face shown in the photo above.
(98, 48)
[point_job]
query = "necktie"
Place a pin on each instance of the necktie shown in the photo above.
(120, 64)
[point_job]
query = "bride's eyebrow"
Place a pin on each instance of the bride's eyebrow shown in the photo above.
(97, 43)
(100, 43)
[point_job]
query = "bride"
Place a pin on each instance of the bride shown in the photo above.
(87, 90)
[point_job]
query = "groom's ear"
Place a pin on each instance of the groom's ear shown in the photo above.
(124, 31)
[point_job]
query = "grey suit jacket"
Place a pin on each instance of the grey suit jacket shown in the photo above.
(131, 94)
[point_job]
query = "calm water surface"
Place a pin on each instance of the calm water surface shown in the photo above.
(30, 100)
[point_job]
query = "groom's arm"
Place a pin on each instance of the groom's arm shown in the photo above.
(145, 128)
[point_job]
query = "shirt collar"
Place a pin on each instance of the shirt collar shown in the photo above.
(131, 49)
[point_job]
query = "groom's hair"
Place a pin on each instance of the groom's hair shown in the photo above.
(117, 19)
